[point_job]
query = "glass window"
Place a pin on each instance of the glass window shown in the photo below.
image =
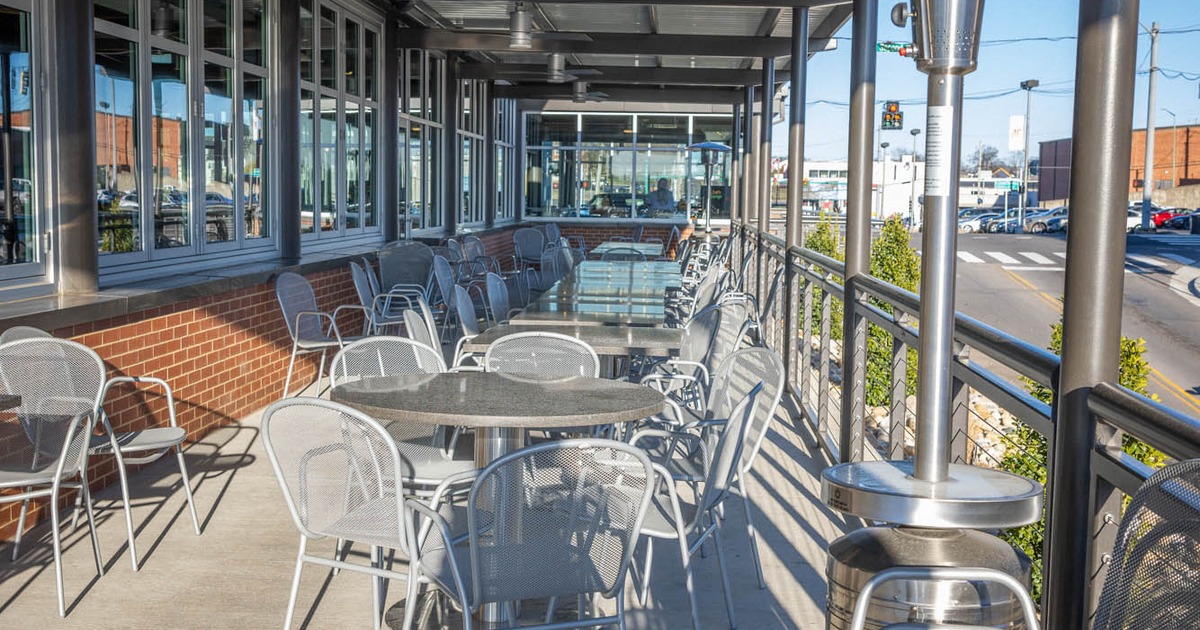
(118, 175)
(370, 115)
(434, 88)
(306, 40)
(169, 149)
(712, 129)
(433, 157)
(330, 166)
(352, 137)
(416, 171)
(607, 131)
(416, 80)
(254, 20)
(502, 209)
(606, 183)
(369, 55)
(218, 23)
(351, 50)
(308, 171)
(465, 179)
(219, 154)
(254, 119)
(19, 216)
(552, 129)
(403, 179)
(662, 183)
(329, 57)
(168, 19)
(550, 182)
(670, 131)
(123, 12)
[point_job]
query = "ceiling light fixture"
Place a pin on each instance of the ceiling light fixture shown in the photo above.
(520, 26)
(556, 68)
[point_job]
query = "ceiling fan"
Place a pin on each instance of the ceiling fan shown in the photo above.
(556, 71)
(521, 29)
(580, 93)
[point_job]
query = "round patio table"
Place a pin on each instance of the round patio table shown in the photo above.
(500, 406)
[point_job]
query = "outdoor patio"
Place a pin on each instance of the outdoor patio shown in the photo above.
(237, 574)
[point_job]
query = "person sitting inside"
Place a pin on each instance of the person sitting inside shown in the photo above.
(662, 200)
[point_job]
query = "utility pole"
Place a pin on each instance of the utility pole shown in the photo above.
(1028, 87)
(1174, 145)
(1148, 171)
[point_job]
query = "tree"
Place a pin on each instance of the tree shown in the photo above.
(984, 158)
(892, 260)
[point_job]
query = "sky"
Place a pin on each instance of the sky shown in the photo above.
(1002, 67)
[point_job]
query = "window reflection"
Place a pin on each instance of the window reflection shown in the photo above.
(169, 149)
(351, 135)
(18, 209)
(118, 174)
(254, 107)
(368, 167)
(218, 154)
(218, 36)
(329, 165)
(308, 172)
(253, 22)
(168, 19)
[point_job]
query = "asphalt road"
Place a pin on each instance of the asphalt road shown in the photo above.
(1015, 281)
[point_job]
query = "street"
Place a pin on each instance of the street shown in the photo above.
(1015, 283)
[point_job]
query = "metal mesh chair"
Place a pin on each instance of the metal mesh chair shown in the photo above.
(528, 244)
(1151, 582)
(443, 276)
(418, 329)
(16, 333)
(555, 520)
(635, 235)
(468, 320)
(541, 355)
(693, 523)
(339, 471)
(623, 254)
(554, 263)
(59, 383)
(377, 309)
(406, 266)
(306, 323)
(384, 356)
(499, 307)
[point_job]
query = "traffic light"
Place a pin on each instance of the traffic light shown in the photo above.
(893, 118)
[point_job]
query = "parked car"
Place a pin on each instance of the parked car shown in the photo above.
(1037, 222)
(1181, 221)
(1162, 216)
(1133, 218)
(1006, 226)
(1057, 224)
(975, 223)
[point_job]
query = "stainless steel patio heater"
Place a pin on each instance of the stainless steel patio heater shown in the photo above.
(931, 564)
(708, 156)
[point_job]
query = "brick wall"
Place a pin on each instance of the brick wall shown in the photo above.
(224, 356)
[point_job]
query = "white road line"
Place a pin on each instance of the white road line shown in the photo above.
(1175, 257)
(1062, 255)
(1003, 258)
(1030, 268)
(1143, 260)
(1037, 258)
(968, 257)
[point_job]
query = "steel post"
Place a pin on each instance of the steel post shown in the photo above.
(749, 164)
(488, 189)
(1151, 127)
(1095, 278)
(451, 158)
(734, 201)
(858, 224)
(794, 233)
(389, 152)
(767, 97)
(287, 141)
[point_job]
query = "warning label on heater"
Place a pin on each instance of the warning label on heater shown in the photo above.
(939, 172)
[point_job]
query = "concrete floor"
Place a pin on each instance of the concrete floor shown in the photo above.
(237, 574)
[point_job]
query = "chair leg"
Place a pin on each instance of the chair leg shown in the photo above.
(20, 528)
(187, 487)
(91, 519)
(291, 607)
(752, 532)
(287, 383)
(410, 599)
(321, 371)
(646, 571)
(123, 477)
(376, 588)
(54, 539)
(621, 611)
(724, 576)
(685, 556)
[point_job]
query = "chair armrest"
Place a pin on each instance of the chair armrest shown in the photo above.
(138, 380)
(367, 312)
(320, 315)
(432, 520)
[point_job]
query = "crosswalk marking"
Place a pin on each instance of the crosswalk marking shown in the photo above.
(1176, 258)
(1142, 260)
(1003, 258)
(1030, 268)
(1037, 258)
(1172, 239)
(968, 257)
(1062, 255)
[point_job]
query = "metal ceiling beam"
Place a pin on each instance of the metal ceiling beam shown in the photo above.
(642, 95)
(615, 43)
(621, 74)
(776, 4)
(767, 26)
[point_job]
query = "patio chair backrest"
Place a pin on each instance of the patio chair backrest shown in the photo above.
(466, 311)
(541, 355)
(372, 277)
(557, 519)
(734, 378)
(339, 470)
(296, 296)
(732, 325)
(727, 454)
(528, 244)
(407, 264)
(59, 382)
(17, 333)
(672, 239)
(454, 251)
(627, 254)
(418, 329)
(473, 248)
(636, 235)
(362, 285)
(497, 296)
(553, 233)
(384, 355)
(698, 334)
(1151, 581)
(443, 275)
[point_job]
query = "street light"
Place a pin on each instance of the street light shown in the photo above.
(1174, 122)
(883, 180)
(912, 195)
(1028, 87)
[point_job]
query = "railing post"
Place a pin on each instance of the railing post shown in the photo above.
(899, 408)
(749, 174)
(960, 411)
(766, 97)
(1095, 272)
(798, 75)
(823, 411)
(858, 225)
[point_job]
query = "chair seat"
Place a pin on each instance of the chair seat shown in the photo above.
(146, 440)
(659, 521)
(423, 461)
(17, 478)
(322, 342)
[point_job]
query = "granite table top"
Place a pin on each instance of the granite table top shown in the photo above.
(490, 399)
(649, 250)
(605, 340)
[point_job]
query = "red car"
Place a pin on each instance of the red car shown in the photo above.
(1163, 216)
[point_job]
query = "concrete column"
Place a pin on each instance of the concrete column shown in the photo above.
(286, 139)
(74, 139)
(858, 224)
(1095, 278)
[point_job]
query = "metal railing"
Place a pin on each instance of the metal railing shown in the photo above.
(814, 288)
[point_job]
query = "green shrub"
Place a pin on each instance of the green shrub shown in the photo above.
(824, 240)
(893, 260)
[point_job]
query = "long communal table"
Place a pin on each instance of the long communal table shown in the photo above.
(597, 293)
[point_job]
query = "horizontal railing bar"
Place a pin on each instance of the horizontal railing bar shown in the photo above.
(1039, 364)
(1120, 469)
(1155, 424)
(1015, 400)
(821, 260)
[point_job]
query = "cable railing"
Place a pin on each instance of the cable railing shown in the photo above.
(988, 409)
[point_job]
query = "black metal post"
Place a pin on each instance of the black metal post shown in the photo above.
(389, 154)
(767, 98)
(749, 170)
(1095, 278)
(734, 202)
(287, 139)
(858, 225)
(451, 146)
(794, 233)
(488, 189)
(75, 147)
